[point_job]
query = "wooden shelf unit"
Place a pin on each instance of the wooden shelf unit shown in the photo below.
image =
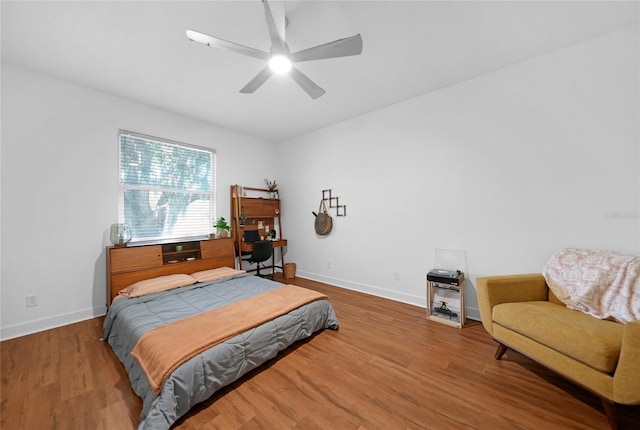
(445, 303)
(258, 213)
(189, 251)
(129, 264)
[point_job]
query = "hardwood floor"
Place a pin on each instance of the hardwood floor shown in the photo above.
(387, 367)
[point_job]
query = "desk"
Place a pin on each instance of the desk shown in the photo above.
(257, 213)
(278, 243)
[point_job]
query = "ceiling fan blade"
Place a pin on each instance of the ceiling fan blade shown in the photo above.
(277, 42)
(306, 84)
(338, 48)
(256, 82)
(229, 46)
(279, 18)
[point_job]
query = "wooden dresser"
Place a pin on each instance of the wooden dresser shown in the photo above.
(129, 264)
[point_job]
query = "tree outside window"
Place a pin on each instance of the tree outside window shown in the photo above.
(166, 188)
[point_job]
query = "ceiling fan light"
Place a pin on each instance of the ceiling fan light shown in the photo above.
(279, 64)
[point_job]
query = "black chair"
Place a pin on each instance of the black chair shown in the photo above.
(262, 250)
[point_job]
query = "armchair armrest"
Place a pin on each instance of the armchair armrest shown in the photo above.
(493, 290)
(626, 380)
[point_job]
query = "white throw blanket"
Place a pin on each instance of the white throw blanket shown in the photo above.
(603, 284)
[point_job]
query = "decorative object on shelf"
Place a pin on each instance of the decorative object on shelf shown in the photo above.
(120, 234)
(323, 222)
(272, 187)
(222, 228)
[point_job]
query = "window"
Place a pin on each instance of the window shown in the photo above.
(167, 189)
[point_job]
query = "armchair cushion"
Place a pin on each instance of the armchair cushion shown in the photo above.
(577, 335)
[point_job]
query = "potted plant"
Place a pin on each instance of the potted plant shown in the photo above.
(222, 228)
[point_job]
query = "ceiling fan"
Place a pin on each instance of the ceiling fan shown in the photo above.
(280, 59)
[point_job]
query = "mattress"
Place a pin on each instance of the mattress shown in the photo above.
(201, 376)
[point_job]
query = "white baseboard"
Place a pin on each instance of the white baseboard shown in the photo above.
(471, 313)
(34, 326)
(367, 289)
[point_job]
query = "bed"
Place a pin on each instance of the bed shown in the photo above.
(131, 320)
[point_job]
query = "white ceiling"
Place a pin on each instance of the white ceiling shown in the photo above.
(138, 51)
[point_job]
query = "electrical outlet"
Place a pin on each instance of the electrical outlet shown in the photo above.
(328, 265)
(396, 276)
(32, 300)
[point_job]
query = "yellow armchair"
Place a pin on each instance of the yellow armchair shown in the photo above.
(522, 314)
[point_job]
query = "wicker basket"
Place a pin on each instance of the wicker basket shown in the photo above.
(289, 270)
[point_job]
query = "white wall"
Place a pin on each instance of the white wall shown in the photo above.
(59, 190)
(508, 167)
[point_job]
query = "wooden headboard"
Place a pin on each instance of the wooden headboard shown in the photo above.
(130, 264)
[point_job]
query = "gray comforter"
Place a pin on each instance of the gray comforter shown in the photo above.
(197, 379)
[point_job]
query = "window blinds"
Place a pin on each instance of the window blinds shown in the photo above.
(167, 189)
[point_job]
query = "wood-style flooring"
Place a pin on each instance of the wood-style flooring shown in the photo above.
(387, 367)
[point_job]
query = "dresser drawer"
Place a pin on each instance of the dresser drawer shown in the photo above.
(260, 208)
(135, 258)
(216, 248)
